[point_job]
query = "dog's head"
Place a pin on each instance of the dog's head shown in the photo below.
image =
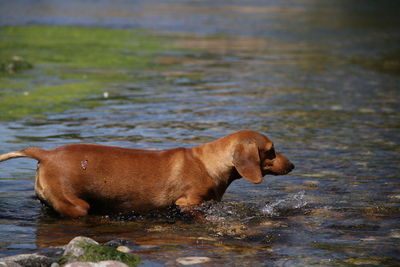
(255, 156)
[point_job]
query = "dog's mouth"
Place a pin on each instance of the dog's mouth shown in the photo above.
(268, 171)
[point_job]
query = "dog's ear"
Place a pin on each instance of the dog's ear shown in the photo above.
(246, 160)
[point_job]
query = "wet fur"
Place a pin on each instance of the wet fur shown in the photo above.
(78, 178)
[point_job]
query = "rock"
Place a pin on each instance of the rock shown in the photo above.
(97, 264)
(80, 252)
(121, 242)
(31, 260)
(9, 264)
(274, 224)
(311, 183)
(83, 251)
(123, 249)
(74, 248)
(15, 64)
(395, 234)
(192, 260)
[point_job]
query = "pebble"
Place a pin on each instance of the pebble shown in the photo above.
(273, 224)
(311, 183)
(124, 249)
(203, 238)
(395, 234)
(97, 264)
(192, 260)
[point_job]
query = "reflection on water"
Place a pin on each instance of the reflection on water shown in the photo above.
(321, 80)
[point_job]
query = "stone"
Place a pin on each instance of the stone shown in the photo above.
(96, 264)
(9, 264)
(15, 64)
(395, 234)
(274, 224)
(311, 183)
(192, 260)
(120, 242)
(80, 252)
(84, 250)
(124, 249)
(31, 260)
(74, 248)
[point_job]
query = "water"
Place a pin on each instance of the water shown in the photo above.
(319, 78)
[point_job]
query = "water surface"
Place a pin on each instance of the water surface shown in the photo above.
(320, 78)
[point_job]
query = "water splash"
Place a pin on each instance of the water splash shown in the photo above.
(228, 212)
(223, 212)
(286, 206)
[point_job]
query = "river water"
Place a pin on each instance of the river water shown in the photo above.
(321, 78)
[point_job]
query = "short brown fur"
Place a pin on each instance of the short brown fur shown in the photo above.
(74, 179)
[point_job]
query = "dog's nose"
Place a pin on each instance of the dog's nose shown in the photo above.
(291, 166)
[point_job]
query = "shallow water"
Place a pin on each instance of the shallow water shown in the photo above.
(322, 80)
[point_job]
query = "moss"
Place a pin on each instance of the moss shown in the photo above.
(80, 46)
(96, 253)
(14, 64)
(9, 86)
(45, 98)
(70, 64)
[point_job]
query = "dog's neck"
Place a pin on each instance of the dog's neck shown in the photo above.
(217, 160)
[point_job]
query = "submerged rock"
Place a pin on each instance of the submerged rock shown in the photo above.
(123, 249)
(75, 247)
(79, 252)
(15, 64)
(97, 264)
(83, 251)
(192, 260)
(31, 260)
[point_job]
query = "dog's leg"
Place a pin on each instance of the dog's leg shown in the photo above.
(189, 205)
(50, 191)
(69, 205)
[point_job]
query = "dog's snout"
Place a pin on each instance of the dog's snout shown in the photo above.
(291, 166)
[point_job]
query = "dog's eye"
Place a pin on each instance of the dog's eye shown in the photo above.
(270, 154)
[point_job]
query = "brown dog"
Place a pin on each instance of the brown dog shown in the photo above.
(75, 178)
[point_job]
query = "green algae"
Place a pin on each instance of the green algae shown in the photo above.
(69, 64)
(43, 99)
(97, 253)
(80, 47)
(15, 64)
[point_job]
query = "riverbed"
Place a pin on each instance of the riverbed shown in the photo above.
(321, 80)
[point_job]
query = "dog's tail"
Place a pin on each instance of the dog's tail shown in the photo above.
(30, 152)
